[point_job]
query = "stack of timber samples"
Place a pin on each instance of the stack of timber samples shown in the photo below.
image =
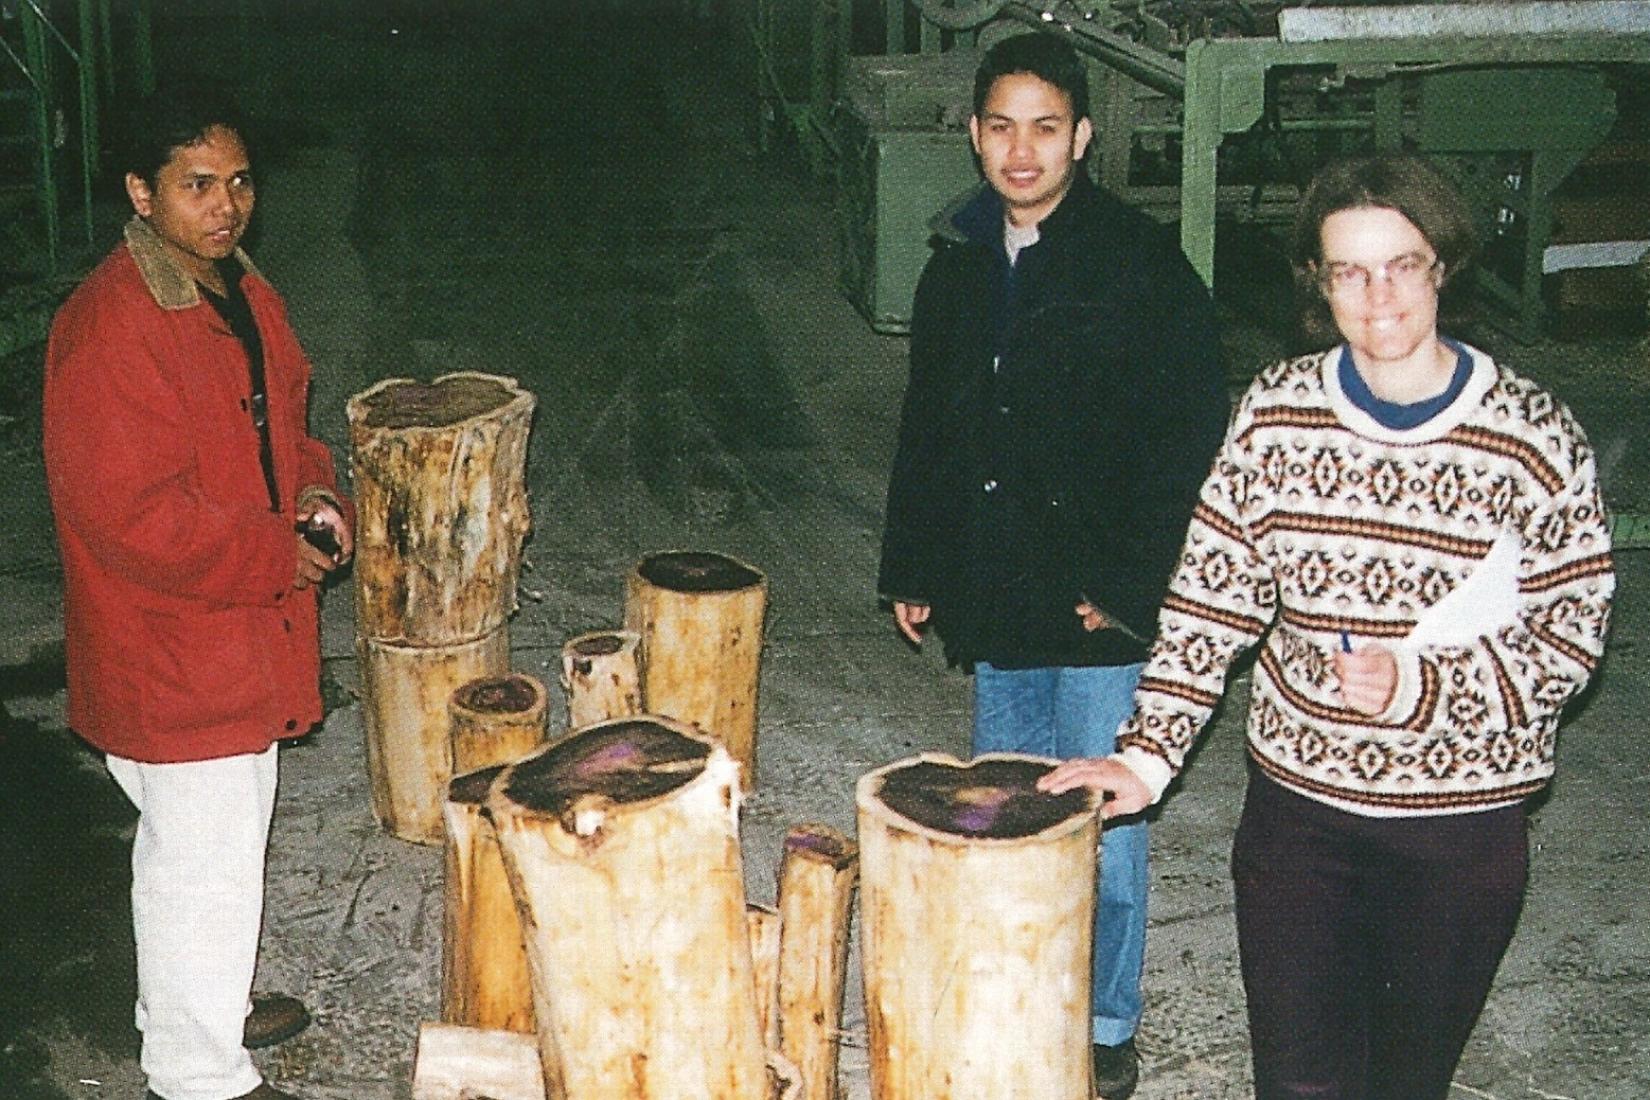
(977, 900)
(621, 847)
(698, 616)
(646, 974)
(484, 979)
(439, 477)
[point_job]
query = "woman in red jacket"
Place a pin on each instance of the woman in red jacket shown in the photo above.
(179, 466)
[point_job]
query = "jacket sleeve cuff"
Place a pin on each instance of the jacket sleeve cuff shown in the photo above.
(322, 494)
(1149, 768)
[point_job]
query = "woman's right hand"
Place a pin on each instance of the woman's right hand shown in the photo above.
(1121, 791)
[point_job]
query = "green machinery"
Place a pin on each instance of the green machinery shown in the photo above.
(1207, 108)
(58, 69)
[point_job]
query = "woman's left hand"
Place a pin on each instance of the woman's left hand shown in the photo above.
(1369, 678)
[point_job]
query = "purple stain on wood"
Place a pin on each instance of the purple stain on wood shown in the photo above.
(987, 799)
(821, 841)
(632, 760)
(697, 571)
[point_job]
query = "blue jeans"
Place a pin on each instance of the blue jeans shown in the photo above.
(1065, 712)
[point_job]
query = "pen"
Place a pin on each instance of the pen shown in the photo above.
(1346, 642)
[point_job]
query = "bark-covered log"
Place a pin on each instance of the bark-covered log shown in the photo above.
(622, 847)
(496, 720)
(977, 896)
(601, 677)
(441, 500)
(406, 701)
(817, 875)
(699, 616)
(485, 980)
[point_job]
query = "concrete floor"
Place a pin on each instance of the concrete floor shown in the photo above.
(576, 202)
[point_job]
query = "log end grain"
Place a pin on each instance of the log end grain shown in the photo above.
(821, 844)
(407, 404)
(627, 760)
(988, 799)
(697, 571)
(604, 644)
(512, 694)
(470, 789)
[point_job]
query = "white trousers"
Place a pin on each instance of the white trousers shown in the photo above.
(197, 910)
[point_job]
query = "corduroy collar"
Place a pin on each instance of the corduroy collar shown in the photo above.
(168, 284)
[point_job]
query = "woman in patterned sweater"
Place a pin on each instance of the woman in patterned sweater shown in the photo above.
(1416, 533)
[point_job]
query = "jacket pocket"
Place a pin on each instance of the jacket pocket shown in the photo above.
(201, 669)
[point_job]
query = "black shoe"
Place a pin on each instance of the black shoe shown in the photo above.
(1116, 1070)
(274, 1018)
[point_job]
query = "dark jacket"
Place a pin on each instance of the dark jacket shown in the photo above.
(1071, 469)
(186, 639)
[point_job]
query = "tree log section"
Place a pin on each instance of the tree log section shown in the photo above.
(442, 506)
(496, 720)
(485, 981)
(978, 897)
(468, 1063)
(817, 875)
(699, 616)
(765, 933)
(622, 847)
(601, 677)
(407, 692)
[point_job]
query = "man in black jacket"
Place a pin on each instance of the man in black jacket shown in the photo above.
(1065, 399)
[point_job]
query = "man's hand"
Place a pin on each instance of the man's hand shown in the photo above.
(1369, 678)
(1105, 776)
(315, 564)
(910, 617)
(1092, 618)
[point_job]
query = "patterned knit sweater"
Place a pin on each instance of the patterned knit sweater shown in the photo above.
(1316, 520)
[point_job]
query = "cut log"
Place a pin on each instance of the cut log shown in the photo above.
(765, 933)
(601, 677)
(468, 1063)
(622, 847)
(978, 900)
(406, 696)
(699, 616)
(496, 720)
(817, 875)
(485, 981)
(441, 502)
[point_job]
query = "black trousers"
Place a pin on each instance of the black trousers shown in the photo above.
(1369, 944)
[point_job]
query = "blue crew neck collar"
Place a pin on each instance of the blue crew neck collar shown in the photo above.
(1395, 415)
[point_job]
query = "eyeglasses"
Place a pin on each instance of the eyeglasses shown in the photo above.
(1406, 272)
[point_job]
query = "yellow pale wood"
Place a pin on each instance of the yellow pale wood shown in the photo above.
(817, 875)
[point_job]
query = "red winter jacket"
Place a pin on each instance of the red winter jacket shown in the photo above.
(185, 637)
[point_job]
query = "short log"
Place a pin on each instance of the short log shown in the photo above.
(469, 1063)
(977, 897)
(765, 933)
(496, 720)
(699, 616)
(601, 677)
(485, 981)
(441, 502)
(406, 698)
(622, 847)
(817, 876)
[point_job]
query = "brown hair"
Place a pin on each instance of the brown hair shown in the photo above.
(1394, 181)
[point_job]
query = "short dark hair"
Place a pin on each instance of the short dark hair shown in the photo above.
(1043, 56)
(1409, 184)
(155, 127)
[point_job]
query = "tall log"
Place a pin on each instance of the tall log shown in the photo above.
(601, 677)
(765, 932)
(622, 847)
(699, 616)
(485, 980)
(406, 696)
(441, 500)
(496, 720)
(977, 899)
(817, 875)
